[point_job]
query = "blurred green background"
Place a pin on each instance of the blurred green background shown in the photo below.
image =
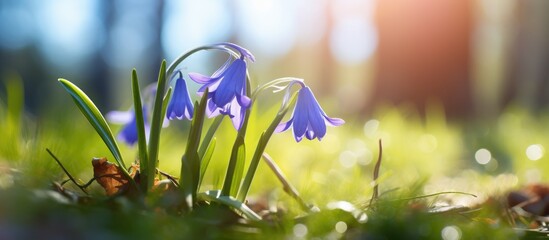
(456, 90)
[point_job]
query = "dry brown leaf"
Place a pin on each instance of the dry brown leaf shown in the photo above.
(109, 176)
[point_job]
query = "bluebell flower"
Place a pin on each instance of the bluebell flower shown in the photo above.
(128, 134)
(180, 104)
(227, 86)
(308, 118)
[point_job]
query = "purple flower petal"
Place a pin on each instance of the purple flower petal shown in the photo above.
(180, 105)
(334, 122)
(237, 114)
(119, 117)
(199, 78)
(244, 101)
(233, 79)
(284, 126)
(128, 134)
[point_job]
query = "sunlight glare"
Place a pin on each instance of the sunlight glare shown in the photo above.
(354, 36)
(267, 27)
(180, 29)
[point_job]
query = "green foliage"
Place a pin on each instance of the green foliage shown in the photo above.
(148, 175)
(95, 118)
(156, 123)
(190, 162)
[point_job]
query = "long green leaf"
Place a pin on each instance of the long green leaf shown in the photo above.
(94, 116)
(209, 135)
(96, 119)
(215, 196)
(190, 166)
(205, 160)
(166, 101)
(235, 168)
(146, 180)
(156, 122)
(186, 179)
(239, 170)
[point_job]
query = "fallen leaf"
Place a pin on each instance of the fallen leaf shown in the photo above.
(109, 176)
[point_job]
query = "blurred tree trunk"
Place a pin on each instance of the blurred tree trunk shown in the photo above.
(100, 77)
(152, 64)
(424, 54)
(528, 72)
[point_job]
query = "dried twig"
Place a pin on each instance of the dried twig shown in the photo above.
(170, 177)
(375, 194)
(288, 188)
(67, 172)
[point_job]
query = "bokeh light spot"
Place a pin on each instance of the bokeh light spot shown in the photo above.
(370, 128)
(451, 233)
(341, 227)
(483, 156)
(300, 230)
(534, 152)
(347, 159)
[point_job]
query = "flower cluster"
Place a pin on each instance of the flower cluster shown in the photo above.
(229, 95)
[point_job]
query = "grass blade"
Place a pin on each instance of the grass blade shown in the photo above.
(209, 135)
(147, 180)
(156, 122)
(235, 168)
(206, 157)
(190, 166)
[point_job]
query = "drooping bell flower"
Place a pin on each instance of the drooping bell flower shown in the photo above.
(308, 119)
(180, 104)
(227, 86)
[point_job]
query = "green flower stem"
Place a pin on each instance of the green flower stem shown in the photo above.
(261, 145)
(183, 56)
(274, 84)
(238, 154)
(141, 139)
